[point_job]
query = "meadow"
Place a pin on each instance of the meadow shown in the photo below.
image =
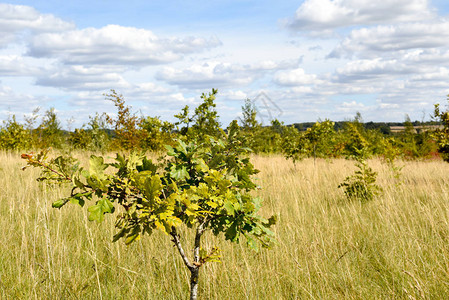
(394, 247)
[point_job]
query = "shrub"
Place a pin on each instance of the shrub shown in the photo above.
(362, 184)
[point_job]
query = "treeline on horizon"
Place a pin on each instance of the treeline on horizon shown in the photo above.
(324, 139)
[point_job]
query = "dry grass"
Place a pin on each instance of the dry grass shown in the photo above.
(395, 247)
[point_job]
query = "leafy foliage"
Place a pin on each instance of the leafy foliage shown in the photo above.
(204, 183)
(202, 123)
(158, 133)
(50, 132)
(127, 133)
(442, 135)
(92, 137)
(14, 136)
(249, 115)
(362, 184)
(316, 141)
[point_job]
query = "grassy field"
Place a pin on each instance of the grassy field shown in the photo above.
(395, 247)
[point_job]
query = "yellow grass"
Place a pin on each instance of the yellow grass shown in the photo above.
(395, 247)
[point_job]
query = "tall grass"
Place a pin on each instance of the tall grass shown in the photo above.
(395, 247)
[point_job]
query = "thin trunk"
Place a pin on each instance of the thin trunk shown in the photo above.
(194, 283)
(194, 272)
(194, 267)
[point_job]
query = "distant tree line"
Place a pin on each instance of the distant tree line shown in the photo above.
(322, 139)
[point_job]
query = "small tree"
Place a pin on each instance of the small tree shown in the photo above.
(441, 136)
(204, 121)
(317, 140)
(14, 136)
(319, 136)
(126, 127)
(50, 131)
(249, 115)
(203, 184)
(355, 143)
(362, 184)
(92, 136)
(293, 144)
(158, 133)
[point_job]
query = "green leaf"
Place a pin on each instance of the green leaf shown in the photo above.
(97, 166)
(179, 173)
(229, 207)
(201, 166)
(251, 243)
(232, 233)
(182, 147)
(78, 183)
(120, 234)
(212, 204)
(60, 203)
(272, 220)
(98, 210)
(147, 165)
(131, 238)
(173, 221)
(153, 187)
(78, 199)
(170, 150)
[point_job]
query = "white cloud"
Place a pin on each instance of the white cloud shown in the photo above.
(179, 97)
(441, 76)
(380, 40)
(434, 57)
(18, 104)
(375, 69)
(219, 74)
(15, 65)
(149, 88)
(115, 45)
(351, 106)
(83, 78)
(213, 74)
(295, 77)
(234, 95)
(387, 105)
(324, 15)
(17, 18)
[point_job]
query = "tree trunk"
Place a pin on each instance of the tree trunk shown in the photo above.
(194, 266)
(194, 272)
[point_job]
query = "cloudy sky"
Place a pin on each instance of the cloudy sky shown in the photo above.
(298, 60)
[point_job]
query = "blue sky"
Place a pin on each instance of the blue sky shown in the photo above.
(314, 59)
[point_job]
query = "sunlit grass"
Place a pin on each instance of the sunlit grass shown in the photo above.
(327, 248)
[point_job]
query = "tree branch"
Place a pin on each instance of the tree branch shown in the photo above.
(196, 250)
(178, 245)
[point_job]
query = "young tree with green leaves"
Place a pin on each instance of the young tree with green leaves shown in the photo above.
(355, 142)
(362, 184)
(316, 141)
(249, 115)
(92, 137)
(441, 136)
(320, 138)
(50, 130)
(128, 135)
(203, 184)
(14, 136)
(158, 133)
(202, 123)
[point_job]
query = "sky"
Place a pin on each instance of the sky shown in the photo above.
(298, 61)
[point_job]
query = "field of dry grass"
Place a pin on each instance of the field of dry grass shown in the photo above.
(394, 247)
